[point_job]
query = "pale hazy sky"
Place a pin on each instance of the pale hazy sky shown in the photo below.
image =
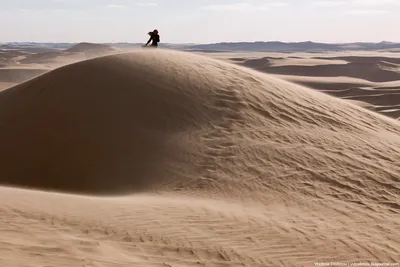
(199, 21)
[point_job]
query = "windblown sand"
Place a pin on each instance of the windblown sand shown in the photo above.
(162, 158)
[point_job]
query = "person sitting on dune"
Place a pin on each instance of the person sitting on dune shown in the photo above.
(154, 37)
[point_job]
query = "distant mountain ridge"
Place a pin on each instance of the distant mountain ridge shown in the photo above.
(271, 46)
(277, 46)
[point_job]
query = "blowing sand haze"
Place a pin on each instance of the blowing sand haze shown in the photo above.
(162, 158)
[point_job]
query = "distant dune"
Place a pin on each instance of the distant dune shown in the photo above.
(7, 55)
(210, 164)
(89, 47)
(39, 58)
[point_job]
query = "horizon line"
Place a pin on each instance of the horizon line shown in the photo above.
(181, 43)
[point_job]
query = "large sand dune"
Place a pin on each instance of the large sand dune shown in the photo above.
(191, 161)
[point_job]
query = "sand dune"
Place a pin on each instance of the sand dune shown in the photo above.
(46, 57)
(7, 55)
(85, 47)
(191, 161)
(92, 50)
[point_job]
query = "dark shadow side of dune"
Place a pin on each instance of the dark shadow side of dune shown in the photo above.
(101, 126)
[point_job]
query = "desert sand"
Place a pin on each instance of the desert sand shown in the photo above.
(167, 158)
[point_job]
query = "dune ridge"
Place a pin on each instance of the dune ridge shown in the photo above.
(213, 164)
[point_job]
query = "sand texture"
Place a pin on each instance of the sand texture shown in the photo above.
(167, 158)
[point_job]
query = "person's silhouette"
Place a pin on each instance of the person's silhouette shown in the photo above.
(154, 39)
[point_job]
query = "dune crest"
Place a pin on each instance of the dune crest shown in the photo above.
(86, 47)
(248, 166)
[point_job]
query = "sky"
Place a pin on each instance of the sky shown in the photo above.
(200, 21)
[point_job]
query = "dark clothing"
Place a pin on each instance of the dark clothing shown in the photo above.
(155, 38)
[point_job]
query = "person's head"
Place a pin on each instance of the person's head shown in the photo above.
(155, 32)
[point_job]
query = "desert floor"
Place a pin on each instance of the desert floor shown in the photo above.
(168, 158)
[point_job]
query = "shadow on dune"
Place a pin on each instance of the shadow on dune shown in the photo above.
(100, 126)
(92, 127)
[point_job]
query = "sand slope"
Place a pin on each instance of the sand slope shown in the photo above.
(215, 165)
